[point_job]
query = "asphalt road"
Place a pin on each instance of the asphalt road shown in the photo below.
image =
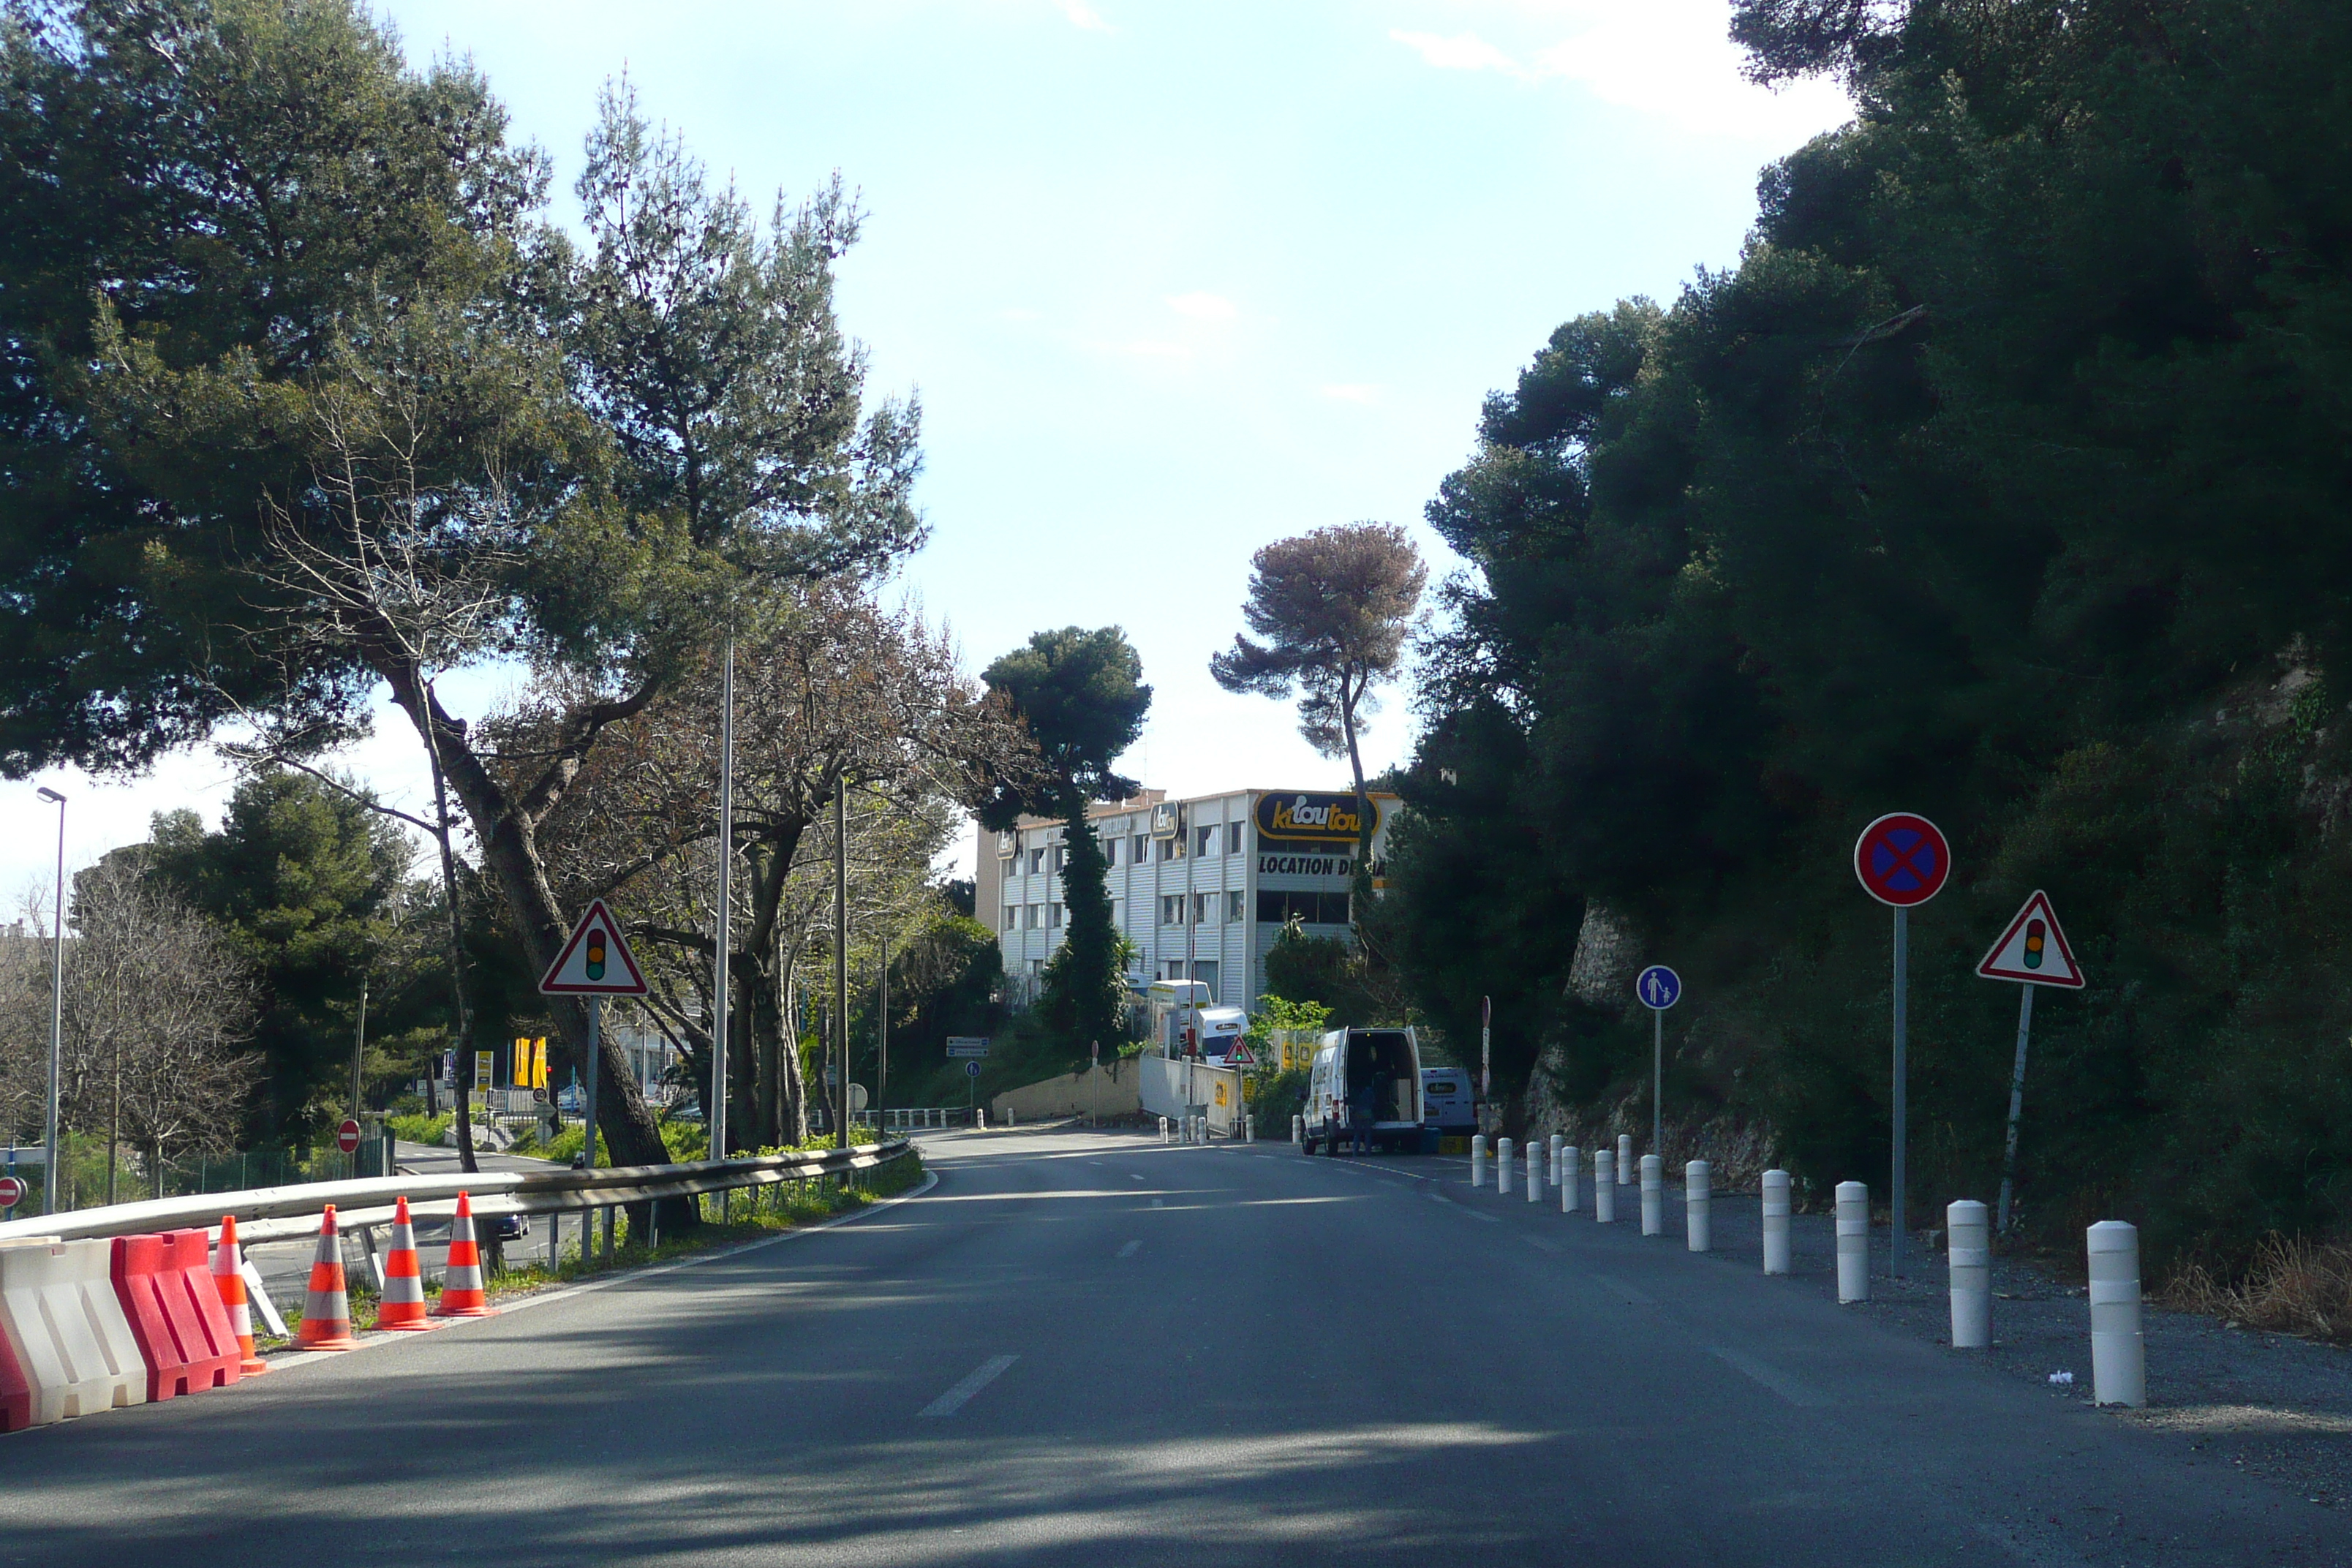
(1083, 1349)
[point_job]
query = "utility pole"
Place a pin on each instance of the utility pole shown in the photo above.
(882, 1038)
(717, 1109)
(56, 1006)
(359, 1047)
(841, 953)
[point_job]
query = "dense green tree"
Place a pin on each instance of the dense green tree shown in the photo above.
(2003, 480)
(310, 884)
(1082, 695)
(308, 397)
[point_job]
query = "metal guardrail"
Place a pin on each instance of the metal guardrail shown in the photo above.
(278, 1214)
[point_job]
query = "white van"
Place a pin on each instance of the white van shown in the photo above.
(1368, 1082)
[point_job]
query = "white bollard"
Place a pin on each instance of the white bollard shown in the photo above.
(1535, 1173)
(1478, 1160)
(1163, 1130)
(981, 1118)
(1551, 1157)
(1502, 1167)
(1653, 1195)
(1298, 1129)
(1968, 1258)
(1852, 1241)
(1775, 1222)
(1698, 1201)
(1624, 1159)
(1604, 1186)
(1570, 1166)
(2118, 1350)
(1249, 1129)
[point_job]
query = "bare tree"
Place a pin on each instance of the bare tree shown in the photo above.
(157, 1002)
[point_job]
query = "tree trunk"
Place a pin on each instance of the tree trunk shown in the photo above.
(510, 850)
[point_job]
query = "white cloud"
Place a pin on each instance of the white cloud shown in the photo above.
(1202, 307)
(1461, 52)
(1352, 390)
(1670, 59)
(1086, 17)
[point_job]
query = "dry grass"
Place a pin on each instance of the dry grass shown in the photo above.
(2291, 1286)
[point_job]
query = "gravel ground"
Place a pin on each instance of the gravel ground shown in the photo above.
(2278, 1406)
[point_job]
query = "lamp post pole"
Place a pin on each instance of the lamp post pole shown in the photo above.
(714, 1118)
(56, 1007)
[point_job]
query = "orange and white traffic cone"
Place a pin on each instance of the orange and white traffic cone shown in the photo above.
(403, 1304)
(327, 1310)
(462, 1295)
(228, 1278)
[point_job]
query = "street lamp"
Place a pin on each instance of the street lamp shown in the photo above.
(56, 1006)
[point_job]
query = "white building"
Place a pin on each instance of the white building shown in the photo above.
(1201, 886)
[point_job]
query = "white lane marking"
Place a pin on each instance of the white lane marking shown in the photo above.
(1622, 1291)
(1439, 1198)
(1133, 1177)
(953, 1400)
(1130, 1249)
(1789, 1388)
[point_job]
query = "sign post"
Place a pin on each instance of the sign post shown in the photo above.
(2032, 952)
(1659, 989)
(595, 963)
(1485, 1054)
(1901, 860)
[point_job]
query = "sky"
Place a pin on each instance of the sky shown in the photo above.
(1171, 280)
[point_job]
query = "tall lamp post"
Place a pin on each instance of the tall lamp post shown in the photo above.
(56, 1008)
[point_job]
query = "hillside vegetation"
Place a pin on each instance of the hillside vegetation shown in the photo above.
(2005, 480)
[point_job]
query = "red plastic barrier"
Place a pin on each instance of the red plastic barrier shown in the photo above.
(16, 1392)
(166, 1287)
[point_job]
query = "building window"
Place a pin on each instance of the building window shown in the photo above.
(1309, 909)
(1141, 849)
(1204, 842)
(1171, 910)
(1058, 860)
(1012, 918)
(1205, 908)
(1167, 849)
(1037, 864)
(1036, 913)
(1053, 916)
(1110, 853)
(1233, 840)
(1233, 908)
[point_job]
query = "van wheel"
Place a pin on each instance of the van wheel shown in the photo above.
(1308, 1146)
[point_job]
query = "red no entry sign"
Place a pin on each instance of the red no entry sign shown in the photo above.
(347, 1136)
(12, 1192)
(1901, 859)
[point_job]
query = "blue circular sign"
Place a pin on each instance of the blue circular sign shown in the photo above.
(972, 1069)
(1658, 987)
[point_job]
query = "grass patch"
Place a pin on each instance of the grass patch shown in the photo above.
(2291, 1286)
(419, 1129)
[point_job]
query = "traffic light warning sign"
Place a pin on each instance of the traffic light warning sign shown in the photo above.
(595, 961)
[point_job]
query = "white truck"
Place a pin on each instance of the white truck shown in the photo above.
(1365, 1088)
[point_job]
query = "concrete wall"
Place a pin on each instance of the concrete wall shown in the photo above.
(1111, 1090)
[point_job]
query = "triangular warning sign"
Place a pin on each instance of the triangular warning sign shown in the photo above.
(2033, 950)
(595, 961)
(1240, 1056)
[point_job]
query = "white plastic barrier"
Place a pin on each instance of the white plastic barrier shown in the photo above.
(1624, 1159)
(980, 1118)
(1699, 1204)
(1163, 1130)
(2118, 1350)
(1551, 1157)
(1535, 1171)
(1604, 1186)
(1653, 1195)
(1249, 1129)
(1570, 1166)
(1502, 1166)
(1968, 1260)
(1775, 1222)
(1298, 1129)
(1852, 1241)
(1478, 1160)
(66, 1328)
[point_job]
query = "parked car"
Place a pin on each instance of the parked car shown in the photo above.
(1448, 1105)
(1354, 1067)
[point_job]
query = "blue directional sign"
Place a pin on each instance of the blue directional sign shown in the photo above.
(1658, 987)
(972, 1069)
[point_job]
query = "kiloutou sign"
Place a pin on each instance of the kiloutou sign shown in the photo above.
(1322, 820)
